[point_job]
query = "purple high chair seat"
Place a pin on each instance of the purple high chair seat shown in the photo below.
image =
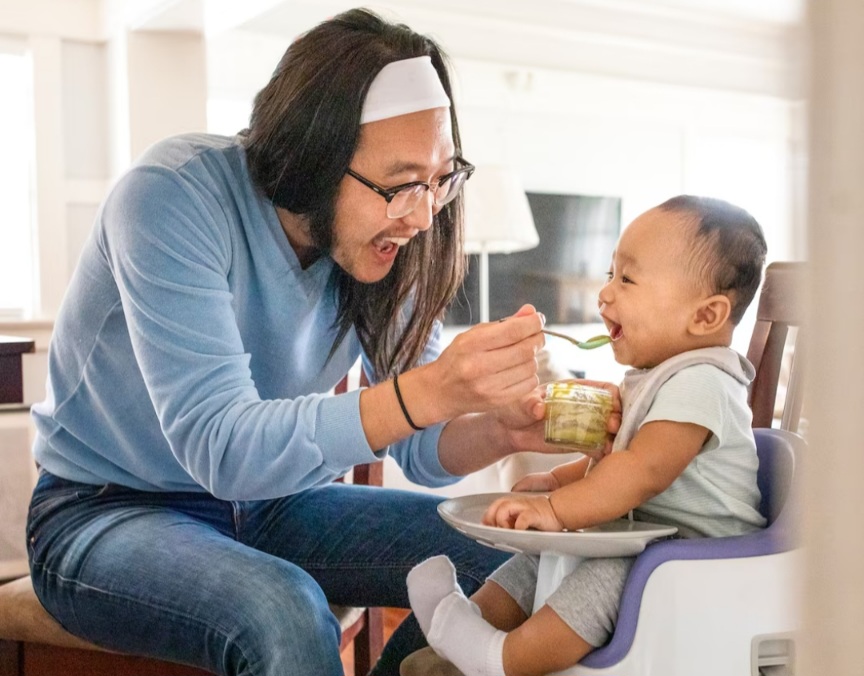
(777, 450)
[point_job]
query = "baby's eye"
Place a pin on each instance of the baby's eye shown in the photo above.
(609, 276)
(626, 279)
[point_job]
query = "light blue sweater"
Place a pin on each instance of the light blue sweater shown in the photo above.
(190, 352)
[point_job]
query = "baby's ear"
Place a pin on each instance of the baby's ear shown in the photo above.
(711, 315)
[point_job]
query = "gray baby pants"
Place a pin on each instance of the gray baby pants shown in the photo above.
(587, 599)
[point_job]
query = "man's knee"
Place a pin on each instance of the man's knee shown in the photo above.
(283, 619)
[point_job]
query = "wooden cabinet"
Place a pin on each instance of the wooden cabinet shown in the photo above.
(11, 373)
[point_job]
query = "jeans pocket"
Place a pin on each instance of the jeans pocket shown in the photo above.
(51, 498)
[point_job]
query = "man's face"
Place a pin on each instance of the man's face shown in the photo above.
(390, 152)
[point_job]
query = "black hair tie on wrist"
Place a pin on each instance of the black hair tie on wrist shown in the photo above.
(402, 405)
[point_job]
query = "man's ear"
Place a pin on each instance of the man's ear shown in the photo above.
(711, 315)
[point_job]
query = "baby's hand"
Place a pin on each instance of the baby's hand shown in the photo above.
(538, 481)
(522, 513)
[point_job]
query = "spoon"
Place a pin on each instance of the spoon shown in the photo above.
(589, 344)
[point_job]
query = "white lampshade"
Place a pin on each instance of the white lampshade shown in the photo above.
(497, 220)
(497, 214)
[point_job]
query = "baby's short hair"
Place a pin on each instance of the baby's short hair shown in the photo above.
(729, 248)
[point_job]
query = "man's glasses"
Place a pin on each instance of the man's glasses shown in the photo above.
(403, 199)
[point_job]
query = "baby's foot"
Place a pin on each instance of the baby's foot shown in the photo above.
(461, 635)
(428, 583)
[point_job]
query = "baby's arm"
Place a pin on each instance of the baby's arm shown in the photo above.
(659, 452)
(562, 475)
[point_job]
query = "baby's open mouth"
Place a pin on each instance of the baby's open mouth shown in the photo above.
(615, 331)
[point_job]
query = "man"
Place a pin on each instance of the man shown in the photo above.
(188, 444)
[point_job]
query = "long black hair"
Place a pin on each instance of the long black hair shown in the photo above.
(303, 132)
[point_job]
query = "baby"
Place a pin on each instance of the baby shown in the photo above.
(682, 275)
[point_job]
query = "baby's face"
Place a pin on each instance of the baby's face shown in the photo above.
(651, 295)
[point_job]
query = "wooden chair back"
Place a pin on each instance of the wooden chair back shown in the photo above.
(367, 632)
(779, 318)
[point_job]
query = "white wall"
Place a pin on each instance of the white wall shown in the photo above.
(581, 133)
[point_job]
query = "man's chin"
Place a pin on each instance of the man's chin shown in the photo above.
(367, 274)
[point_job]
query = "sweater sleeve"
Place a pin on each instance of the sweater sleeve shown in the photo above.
(417, 455)
(169, 246)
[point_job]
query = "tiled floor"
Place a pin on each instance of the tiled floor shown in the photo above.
(392, 618)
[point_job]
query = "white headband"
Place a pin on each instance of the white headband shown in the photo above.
(403, 87)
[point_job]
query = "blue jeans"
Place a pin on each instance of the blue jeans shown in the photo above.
(236, 588)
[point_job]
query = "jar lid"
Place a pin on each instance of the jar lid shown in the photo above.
(570, 391)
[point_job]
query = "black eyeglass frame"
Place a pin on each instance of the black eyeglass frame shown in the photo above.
(389, 193)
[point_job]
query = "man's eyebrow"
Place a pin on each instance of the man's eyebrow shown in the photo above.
(400, 167)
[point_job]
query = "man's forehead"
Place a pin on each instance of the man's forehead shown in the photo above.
(418, 142)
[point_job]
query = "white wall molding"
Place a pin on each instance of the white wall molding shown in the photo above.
(50, 180)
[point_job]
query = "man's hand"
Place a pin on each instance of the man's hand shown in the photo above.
(537, 482)
(487, 367)
(523, 424)
(523, 421)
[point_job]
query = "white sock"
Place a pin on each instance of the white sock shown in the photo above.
(428, 583)
(461, 635)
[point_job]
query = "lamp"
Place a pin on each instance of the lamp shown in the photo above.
(497, 220)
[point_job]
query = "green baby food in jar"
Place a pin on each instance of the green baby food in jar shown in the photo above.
(576, 416)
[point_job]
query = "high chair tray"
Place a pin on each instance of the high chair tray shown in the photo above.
(620, 537)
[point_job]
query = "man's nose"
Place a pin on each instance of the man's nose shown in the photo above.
(421, 217)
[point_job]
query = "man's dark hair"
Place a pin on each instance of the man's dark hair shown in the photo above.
(729, 251)
(302, 134)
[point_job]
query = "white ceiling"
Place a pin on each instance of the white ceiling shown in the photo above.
(734, 44)
(287, 17)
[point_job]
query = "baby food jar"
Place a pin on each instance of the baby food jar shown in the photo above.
(576, 416)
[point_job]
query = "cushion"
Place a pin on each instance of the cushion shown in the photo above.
(22, 618)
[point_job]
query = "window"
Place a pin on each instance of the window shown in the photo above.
(17, 251)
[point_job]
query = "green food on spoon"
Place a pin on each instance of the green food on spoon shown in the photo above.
(589, 344)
